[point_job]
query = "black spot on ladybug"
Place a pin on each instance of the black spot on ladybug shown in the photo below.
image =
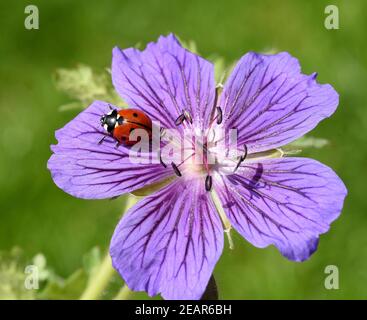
(135, 115)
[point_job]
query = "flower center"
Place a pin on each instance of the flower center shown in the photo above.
(202, 156)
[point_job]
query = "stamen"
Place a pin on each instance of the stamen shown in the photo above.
(216, 96)
(184, 116)
(226, 224)
(244, 156)
(188, 116)
(238, 164)
(230, 241)
(176, 170)
(241, 158)
(219, 115)
(208, 183)
(160, 159)
(180, 119)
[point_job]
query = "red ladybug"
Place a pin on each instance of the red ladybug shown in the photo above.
(119, 124)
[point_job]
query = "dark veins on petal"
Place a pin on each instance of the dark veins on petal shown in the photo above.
(85, 168)
(286, 202)
(271, 103)
(174, 238)
(164, 80)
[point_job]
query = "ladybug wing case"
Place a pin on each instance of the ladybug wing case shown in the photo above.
(131, 119)
(122, 133)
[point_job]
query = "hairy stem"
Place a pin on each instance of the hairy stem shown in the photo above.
(123, 294)
(99, 282)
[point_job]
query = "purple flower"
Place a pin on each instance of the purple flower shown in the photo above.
(170, 241)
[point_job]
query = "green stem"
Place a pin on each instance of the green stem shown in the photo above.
(123, 294)
(98, 284)
(99, 281)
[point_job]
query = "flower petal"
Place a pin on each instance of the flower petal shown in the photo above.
(86, 169)
(287, 202)
(271, 103)
(165, 79)
(169, 242)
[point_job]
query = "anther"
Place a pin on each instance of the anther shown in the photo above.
(219, 115)
(180, 119)
(216, 97)
(176, 170)
(187, 116)
(208, 183)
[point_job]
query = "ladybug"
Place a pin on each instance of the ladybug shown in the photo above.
(120, 123)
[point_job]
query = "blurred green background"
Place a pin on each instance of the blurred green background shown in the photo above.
(39, 217)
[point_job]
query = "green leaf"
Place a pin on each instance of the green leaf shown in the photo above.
(12, 276)
(85, 85)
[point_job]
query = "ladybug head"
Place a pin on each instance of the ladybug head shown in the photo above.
(109, 121)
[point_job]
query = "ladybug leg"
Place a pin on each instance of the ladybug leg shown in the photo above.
(100, 141)
(117, 144)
